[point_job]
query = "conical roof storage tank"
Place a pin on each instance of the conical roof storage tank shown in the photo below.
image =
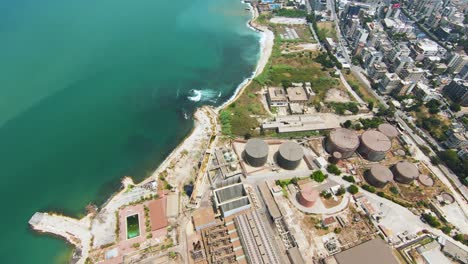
(255, 152)
(405, 172)
(374, 145)
(342, 140)
(378, 175)
(289, 155)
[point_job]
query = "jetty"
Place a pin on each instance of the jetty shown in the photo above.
(75, 231)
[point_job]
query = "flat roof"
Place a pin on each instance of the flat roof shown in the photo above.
(277, 94)
(269, 200)
(295, 256)
(370, 252)
(296, 94)
(203, 216)
(157, 213)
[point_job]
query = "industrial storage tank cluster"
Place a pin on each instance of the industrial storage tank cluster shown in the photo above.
(374, 145)
(378, 175)
(289, 155)
(405, 172)
(343, 141)
(307, 197)
(256, 152)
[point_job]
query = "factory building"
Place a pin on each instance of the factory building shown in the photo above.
(230, 197)
(342, 140)
(289, 155)
(390, 131)
(405, 172)
(378, 175)
(374, 145)
(255, 152)
(307, 196)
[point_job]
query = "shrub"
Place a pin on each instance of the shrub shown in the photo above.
(431, 220)
(349, 178)
(369, 188)
(340, 191)
(381, 194)
(353, 189)
(394, 190)
(332, 168)
(446, 229)
(318, 176)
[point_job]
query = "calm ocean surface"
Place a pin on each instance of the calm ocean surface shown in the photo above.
(91, 91)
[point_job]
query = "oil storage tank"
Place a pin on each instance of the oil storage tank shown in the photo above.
(378, 175)
(307, 197)
(374, 145)
(390, 131)
(405, 172)
(255, 152)
(289, 155)
(342, 140)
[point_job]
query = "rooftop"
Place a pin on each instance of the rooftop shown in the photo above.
(296, 94)
(157, 212)
(370, 252)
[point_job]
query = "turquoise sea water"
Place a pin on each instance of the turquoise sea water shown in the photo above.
(94, 90)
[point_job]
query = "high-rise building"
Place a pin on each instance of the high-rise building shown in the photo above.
(457, 90)
(456, 62)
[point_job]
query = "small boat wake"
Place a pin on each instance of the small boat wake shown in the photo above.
(207, 95)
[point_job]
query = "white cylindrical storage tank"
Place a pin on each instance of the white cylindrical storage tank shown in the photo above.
(289, 155)
(405, 172)
(255, 152)
(342, 140)
(374, 145)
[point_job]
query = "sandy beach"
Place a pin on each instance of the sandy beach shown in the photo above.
(266, 47)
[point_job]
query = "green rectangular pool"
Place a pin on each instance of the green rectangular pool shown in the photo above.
(133, 226)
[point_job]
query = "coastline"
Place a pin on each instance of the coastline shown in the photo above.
(86, 233)
(266, 48)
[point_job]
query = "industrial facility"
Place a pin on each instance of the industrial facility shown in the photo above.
(230, 197)
(388, 130)
(307, 196)
(405, 172)
(255, 152)
(378, 175)
(343, 141)
(289, 155)
(374, 145)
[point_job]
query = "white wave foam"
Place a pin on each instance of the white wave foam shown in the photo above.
(207, 95)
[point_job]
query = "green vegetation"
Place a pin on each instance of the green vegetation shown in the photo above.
(225, 119)
(318, 176)
(353, 189)
(349, 178)
(340, 108)
(340, 191)
(332, 168)
(455, 107)
(290, 12)
(459, 166)
(326, 195)
(371, 123)
(431, 220)
(462, 238)
(394, 190)
(368, 188)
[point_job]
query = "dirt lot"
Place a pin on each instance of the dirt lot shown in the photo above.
(327, 29)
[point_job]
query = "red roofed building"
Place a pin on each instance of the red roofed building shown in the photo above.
(157, 213)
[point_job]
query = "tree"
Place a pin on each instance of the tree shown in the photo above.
(370, 106)
(353, 189)
(318, 176)
(347, 124)
(340, 191)
(349, 178)
(446, 229)
(332, 168)
(455, 107)
(431, 220)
